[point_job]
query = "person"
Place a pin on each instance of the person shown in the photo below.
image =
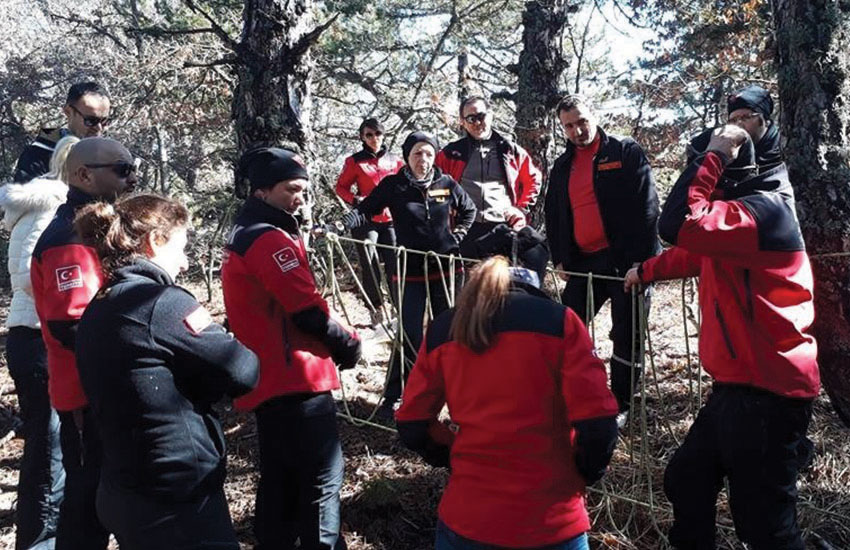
(152, 363)
(28, 208)
(601, 213)
(751, 108)
(361, 173)
(736, 229)
(65, 276)
(501, 179)
(87, 109)
(532, 419)
(432, 213)
(273, 306)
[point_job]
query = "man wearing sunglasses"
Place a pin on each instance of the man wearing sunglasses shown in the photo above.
(65, 276)
(86, 110)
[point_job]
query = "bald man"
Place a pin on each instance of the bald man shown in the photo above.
(65, 277)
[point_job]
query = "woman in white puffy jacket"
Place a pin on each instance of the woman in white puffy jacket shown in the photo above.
(28, 208)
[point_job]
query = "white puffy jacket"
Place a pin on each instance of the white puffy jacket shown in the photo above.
(28, 207)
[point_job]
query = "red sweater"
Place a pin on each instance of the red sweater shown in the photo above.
(587, 220)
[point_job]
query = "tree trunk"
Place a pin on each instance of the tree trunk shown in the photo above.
(539, 69)
(814, 89)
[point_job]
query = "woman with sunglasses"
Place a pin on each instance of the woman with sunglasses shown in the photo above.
(532, 419)
(152, 363)
(361, 173)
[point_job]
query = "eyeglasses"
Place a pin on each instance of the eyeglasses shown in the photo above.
(741, 118)
(92, 121)
(477, 117)
(121, 169)
(376, 133)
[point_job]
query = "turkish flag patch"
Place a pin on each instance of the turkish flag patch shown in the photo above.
(68, 277)
(286, 259)
(198, 320)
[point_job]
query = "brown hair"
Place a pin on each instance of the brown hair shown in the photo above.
(479, 302)
(119, 232)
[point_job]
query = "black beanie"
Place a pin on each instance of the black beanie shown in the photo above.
(266, 166)
(752, 97)
(416, 137)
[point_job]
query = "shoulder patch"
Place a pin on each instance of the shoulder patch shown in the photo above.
(68, 277)
(286, 259)
(198, 320)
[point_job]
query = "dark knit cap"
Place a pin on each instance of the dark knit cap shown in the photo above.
(752, 97)
(266, 166)
(417, 137)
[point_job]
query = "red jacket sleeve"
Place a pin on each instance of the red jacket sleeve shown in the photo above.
(584, 383)
(529, 182)
(425, 391)
(673, 263)
(347, 178)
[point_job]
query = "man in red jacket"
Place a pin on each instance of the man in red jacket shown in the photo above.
(65, 277)
(739, 233)
(274, 308)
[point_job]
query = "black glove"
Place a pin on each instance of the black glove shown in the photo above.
(459, 236)
(348, 353)
(352, 219)
(595, 441)
(344, 346)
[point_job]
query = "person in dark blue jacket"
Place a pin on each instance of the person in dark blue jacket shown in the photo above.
(152, 363)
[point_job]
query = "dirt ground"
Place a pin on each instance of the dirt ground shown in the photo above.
(390, 496)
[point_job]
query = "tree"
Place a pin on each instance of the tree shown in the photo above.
(814, 87)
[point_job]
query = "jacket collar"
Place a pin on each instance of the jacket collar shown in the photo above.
(77, 197)
(374, 154)
(259, 211)
(603, 142)
(141, 268)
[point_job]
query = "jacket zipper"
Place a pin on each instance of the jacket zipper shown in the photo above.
(723, 329)
(749, 292)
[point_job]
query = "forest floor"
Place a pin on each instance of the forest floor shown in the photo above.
(390, 497)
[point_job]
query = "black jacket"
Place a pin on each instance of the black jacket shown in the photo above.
(625, 193)
(152, 363)
(35, 159)
(433, 219)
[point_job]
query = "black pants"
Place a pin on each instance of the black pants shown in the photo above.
(369, 256)
(413, 309)
(79, 527)
(142, 523)
(758, 441)
(41, 483)
(301, 472)
(625, 329)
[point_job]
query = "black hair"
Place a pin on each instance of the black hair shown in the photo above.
(78, 90)
(472, 99)
(372, 123)
(570, 102)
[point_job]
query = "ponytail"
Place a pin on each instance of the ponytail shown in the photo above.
(482, 297)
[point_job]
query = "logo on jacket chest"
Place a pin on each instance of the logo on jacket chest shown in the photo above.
(69, 277)
(286, 259)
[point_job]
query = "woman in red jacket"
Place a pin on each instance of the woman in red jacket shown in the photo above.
(361, 173)
(533, 420)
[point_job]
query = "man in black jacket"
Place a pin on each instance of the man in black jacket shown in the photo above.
(751, 108)
(86, 110)
(601, 212)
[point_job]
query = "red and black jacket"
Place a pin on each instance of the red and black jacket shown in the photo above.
(524, 179)
(625, 193)
(534, 422)
(65, 276)
(365, 170)
(274, 308)
(756, 284)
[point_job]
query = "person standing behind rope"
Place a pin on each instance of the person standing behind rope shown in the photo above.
(65, 276)
(363, 171)
(152, 363)
(29, 207)
(533, 420)
(737, 230)
(432, 213)
(273, 306)
(601, 213)
(751, 108)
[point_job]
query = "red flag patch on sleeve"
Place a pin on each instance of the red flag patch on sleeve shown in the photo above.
(68, 277)
(286, 259)
(198, 320)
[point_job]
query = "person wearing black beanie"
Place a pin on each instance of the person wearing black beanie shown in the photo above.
(274, 308)
(751, 108)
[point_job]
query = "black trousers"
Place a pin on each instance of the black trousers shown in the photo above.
(301, 473)
(625, 330)
(371, 258)
(141, 522)
(79, 526)
(755, 439)
(41, 483)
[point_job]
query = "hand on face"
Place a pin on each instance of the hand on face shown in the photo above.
(728, 140)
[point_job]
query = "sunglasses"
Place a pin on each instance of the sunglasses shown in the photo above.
(477, 117)
(92, 121)
(121, 169)
(375, 133)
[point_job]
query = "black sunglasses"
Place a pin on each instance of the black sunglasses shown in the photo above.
(92, 121)
(121, 169)
(477, 117)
